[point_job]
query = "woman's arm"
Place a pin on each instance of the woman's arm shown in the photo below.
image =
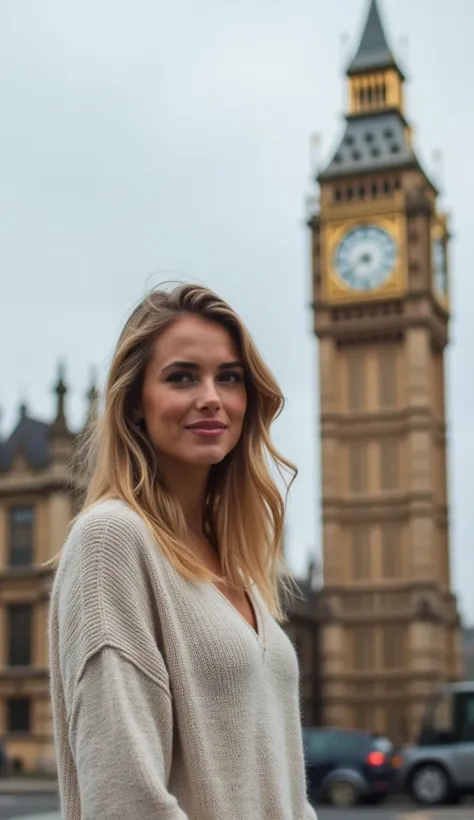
(109, 682)
(121, 733)
(310, 813)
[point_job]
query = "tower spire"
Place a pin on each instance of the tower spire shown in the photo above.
(60, 424)
(374, 52)
(93, 397)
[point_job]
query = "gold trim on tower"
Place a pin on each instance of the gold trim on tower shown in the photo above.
(335, 289)
(439, 231)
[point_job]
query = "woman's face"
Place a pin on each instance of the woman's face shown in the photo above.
(194, 397)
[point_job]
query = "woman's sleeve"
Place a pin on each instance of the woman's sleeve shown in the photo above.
(310, 813)
(121, 733)
(111, 689)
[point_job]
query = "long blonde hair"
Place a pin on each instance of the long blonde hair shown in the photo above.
(244, 507)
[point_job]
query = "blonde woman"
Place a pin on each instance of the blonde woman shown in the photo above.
(174, 689)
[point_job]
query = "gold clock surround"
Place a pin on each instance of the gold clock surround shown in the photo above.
(334, 289)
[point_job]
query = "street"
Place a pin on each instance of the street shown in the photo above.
(24, 806)
(18, 805)
(397, 811)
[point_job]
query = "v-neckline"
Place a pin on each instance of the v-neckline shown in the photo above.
(258, 632)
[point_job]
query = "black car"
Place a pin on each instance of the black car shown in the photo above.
(345, 767)
(4, 761)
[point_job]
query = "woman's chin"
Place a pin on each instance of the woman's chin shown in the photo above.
(207, 457)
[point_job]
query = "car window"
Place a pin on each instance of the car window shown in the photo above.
(316, 744)
(443, 713)
(439, 721)
(466, 717)
(335, 744)
(351, 744)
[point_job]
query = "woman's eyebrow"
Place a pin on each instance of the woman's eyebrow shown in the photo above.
(195, 366)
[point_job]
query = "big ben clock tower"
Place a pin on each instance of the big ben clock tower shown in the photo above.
(381, 311)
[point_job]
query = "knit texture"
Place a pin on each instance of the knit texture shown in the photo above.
(167, 705)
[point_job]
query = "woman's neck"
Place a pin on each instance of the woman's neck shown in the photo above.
(188, 484)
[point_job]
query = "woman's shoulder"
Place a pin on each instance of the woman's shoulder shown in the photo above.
(109, 513)
(105, 592)
(108, 531)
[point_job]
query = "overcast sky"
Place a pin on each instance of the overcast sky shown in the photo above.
(144, 140)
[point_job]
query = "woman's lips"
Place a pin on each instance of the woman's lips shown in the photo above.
(207, 432)
(207, 429)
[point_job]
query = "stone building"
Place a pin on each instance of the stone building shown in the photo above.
(37, 501)
(303, 629)
(380, 278)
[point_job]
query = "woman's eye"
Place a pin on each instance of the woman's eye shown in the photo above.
(233, 378)
(229, 377)
(180, 378)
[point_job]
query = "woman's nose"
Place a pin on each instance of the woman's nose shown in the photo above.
(208, 395)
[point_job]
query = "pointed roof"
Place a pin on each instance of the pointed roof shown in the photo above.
(373, 142)
(373, 52)
(29, 436)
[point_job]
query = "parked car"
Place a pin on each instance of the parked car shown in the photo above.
(345, 767)
(439, 768)
(5, 763)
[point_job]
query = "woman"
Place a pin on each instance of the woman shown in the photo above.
(174, 690)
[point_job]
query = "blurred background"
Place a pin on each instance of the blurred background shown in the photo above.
(145, 142)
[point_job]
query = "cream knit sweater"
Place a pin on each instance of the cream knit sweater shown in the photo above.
(167, 705)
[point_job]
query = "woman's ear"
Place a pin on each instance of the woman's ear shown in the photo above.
(137, 413)
(137, 417)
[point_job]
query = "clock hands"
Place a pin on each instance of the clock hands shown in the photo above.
(365, 257)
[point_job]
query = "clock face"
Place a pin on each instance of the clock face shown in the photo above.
(365, 257)
(439, 267)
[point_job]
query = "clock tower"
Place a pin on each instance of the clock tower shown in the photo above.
(380, 286)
